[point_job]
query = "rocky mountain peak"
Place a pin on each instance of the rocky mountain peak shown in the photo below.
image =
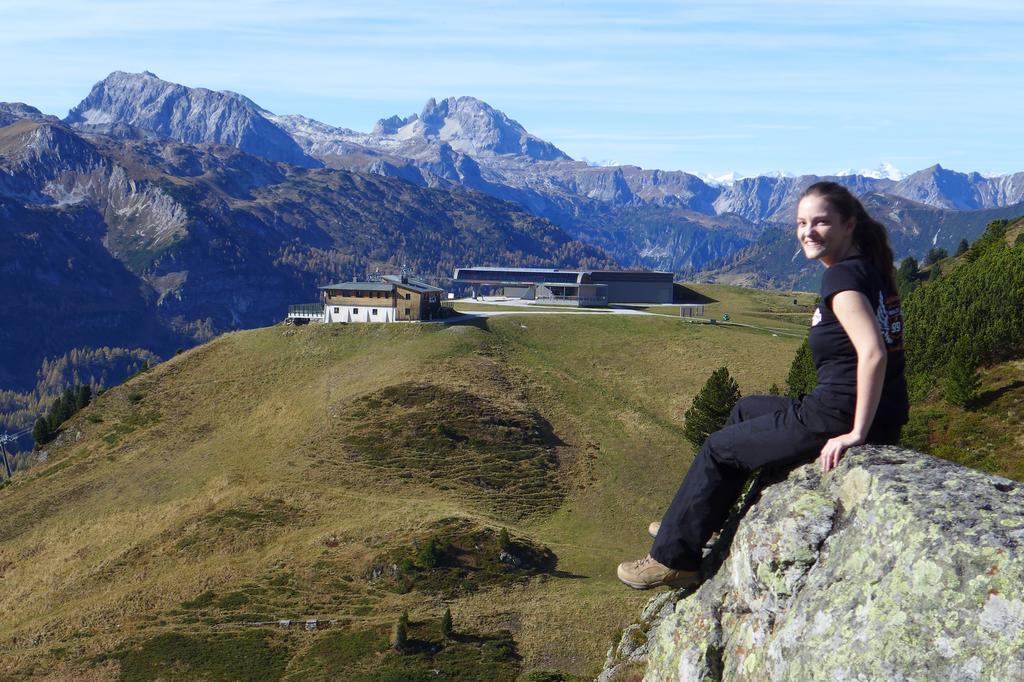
(391, 125)
(142, 101)
(938, 186)
(469, 126)
(11, 112)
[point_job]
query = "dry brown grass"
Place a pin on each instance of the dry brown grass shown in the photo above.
(230, 472)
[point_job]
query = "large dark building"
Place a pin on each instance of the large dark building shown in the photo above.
(579, 287)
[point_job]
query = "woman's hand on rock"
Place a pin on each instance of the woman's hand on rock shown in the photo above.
(835, 448)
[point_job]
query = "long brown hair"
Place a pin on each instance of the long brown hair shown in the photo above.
(869, 235)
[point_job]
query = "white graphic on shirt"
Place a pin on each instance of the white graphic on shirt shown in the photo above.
(817, 317)
(882, 316)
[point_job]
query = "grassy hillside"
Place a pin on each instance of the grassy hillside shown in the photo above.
(349, 473)
(987, 436)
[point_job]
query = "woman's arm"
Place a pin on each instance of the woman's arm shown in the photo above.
(854, 313)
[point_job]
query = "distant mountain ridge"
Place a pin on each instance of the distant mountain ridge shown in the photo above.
(465, 141)
(499, 149)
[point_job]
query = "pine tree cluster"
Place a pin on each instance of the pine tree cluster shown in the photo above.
(970, 317)
(63, 408)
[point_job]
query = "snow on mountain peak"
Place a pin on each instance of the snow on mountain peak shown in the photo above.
(884, 171)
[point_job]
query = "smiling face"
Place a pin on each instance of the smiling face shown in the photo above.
(822, 232)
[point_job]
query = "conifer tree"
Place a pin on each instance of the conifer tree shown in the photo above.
(962, 381)
(802, 376)
(430, 555)
(41, 431)
(907, 276)
(446, 623)
(961, 249)
(711, 407)
(58, 413)
(935, 254)
(908, 269)
(504, 541)
(400, 633)
(83, 396)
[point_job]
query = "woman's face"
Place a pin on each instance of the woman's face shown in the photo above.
(822, 233)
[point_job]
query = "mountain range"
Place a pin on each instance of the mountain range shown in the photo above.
(464, 141)
(156, 215)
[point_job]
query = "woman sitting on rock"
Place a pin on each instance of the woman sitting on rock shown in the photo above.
(861, 397)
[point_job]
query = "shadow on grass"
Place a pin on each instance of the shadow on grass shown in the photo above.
(988, 397)
(568, 575)
(469, 320)
(684, 294)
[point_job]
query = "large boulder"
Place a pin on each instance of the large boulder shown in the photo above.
(896, 566)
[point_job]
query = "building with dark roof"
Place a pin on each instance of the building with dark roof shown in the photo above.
(396, 298)
(585, 287)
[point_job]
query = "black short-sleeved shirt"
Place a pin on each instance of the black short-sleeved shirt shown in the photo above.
(835, 358)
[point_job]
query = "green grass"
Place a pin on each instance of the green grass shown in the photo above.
(759, 308)
(338, 653)
(465, 559)
(987, 436)
(496, 453)
(285, 462)
(366, 656)
(129, 423)
(240, 527)
(230, 656)
(471, 307)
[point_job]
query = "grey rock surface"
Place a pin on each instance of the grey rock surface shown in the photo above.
(896, 566)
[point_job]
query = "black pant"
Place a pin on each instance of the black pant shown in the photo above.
(762, 430)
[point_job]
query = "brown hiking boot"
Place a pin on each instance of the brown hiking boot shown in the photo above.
(643, 574)
(653, 528)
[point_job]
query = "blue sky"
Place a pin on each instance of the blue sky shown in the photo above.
(709, 87)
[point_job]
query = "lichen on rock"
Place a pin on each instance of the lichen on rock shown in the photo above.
(895, 566)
